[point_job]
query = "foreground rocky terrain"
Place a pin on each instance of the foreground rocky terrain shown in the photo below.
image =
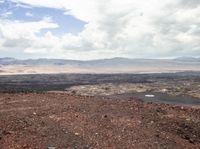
(42, 120)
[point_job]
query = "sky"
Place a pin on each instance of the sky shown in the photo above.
(96, 29)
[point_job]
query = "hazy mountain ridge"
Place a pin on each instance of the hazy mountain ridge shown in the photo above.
(188, 59)
(114, 65)
(100, 62)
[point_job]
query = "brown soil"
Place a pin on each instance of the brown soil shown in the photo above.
(39, 121)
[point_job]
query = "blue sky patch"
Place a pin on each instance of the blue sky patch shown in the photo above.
(67, 23)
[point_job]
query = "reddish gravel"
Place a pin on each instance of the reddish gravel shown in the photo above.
(39, 121)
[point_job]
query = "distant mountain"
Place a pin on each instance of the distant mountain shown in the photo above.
(42, 61)
(113, 65)
(13, 61)
(101, 62)
(187, 59)
(7, 60)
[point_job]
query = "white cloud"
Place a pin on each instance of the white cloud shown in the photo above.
(17, 29)
(6, 14)
(28, 14)
(20, 37)
(129, 28)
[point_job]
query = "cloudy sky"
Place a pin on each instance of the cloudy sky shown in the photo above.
(94, 29)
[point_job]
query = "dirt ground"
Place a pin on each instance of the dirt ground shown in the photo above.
(39, 121)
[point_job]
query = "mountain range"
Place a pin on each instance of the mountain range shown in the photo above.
(100, 62)
(114, 65)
